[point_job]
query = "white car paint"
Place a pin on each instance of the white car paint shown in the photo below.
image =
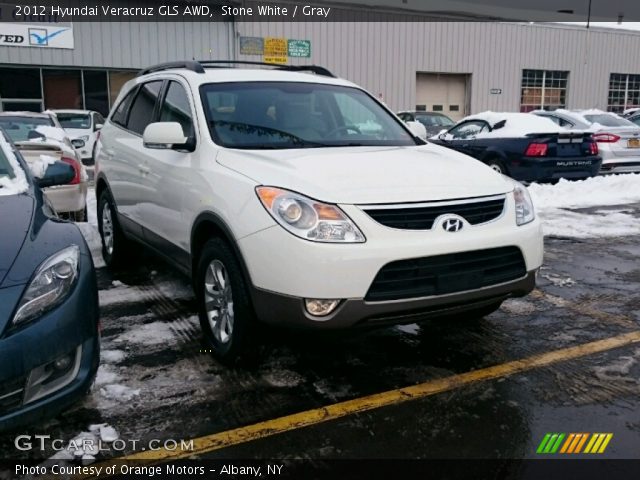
(89, 134)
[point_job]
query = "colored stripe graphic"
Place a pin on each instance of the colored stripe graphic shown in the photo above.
(573, 443)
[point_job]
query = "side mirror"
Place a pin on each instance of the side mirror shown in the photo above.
(77, 143)
(97, 127)
(58, 173)
(442, 135)
(166, 135)
(417, 129)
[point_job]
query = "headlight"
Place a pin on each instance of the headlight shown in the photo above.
(51, 284)
(524, 206)
(84, 138)
(308, 218)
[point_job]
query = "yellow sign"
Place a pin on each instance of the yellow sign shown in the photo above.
(278, 60)
(275, 50)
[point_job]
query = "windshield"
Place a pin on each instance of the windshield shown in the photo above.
(267, 115)
(434, 120)
(21, 129)
(6, 170)
(79, 121)
(608, 120)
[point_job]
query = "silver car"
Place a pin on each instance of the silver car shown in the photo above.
(618, 138)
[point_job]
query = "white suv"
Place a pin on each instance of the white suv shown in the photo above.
(298, 199)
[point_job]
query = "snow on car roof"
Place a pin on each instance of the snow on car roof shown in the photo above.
(18, 184)
(516, 124)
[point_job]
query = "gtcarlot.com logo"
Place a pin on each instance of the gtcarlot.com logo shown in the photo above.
(573, 443)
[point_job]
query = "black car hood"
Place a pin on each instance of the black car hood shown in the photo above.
(16, 215)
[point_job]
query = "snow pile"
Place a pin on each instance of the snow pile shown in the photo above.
(118, 392)
(112, 356)
(39, 167)
(155, 333)
(516, 124)
(18, 184)
(52, 133)
(553, 201)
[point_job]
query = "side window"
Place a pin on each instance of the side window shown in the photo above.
(467, 130)
(99, 119)
(175, 108)
(119, 117)
(141, 113)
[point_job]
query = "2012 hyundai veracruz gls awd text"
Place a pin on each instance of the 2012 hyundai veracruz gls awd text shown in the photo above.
(298, 199)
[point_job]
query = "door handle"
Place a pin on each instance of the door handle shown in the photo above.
(143, 169)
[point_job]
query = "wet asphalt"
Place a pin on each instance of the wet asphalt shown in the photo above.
(587, 290)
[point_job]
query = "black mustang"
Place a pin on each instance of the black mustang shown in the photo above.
(528, 157)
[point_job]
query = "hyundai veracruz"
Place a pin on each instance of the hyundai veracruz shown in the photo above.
(295, 198)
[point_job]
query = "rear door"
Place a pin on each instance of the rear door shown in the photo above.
(123, 151)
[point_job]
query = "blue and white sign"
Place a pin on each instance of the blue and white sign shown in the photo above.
(38, 36)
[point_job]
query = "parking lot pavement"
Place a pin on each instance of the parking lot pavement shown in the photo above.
(156, 383)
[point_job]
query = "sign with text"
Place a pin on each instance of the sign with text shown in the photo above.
(251, 45)
(275, 50)
(39, 36)
(299, 48)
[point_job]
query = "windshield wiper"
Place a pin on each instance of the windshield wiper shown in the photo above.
(250, 128)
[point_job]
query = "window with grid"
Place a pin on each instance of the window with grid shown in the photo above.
(543, 89)
(624, 92)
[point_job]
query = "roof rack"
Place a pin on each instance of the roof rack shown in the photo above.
(188, 64)
(199, 66)
(318, 70)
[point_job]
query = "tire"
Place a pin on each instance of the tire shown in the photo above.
(227, 317)
(116, 248)
(497, 165)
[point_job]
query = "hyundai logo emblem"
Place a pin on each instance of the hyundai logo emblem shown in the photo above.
(452, 224)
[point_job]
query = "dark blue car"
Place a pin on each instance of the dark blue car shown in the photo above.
(49, 330)
(523, 146)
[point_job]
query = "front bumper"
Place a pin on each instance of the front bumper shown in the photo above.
(68, 198)
(286, 268)
(553, 168)
(289, 311)
(58, 332)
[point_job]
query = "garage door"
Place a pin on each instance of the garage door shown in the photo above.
(443, 92)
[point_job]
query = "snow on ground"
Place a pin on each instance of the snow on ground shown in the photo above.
(92, 207)
(554, 203)
(154, 333)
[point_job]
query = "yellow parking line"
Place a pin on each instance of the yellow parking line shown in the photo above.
(316, 416)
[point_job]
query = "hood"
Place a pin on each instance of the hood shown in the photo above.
(366, 175)
(78, 132)
(16, 211)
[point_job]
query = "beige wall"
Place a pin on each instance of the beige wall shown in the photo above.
(385, 57)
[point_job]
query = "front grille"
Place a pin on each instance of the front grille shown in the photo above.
(444, 274)
(11, 393)
(422, 217)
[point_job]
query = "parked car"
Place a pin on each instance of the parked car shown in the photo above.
(630, 111)
(523, 146)
(37, 135)
(635, 119)
(433, 122)
(84, 125)
(49, 341)
(618, 138)
(258, 185)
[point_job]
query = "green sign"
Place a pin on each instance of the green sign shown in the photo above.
(299, 48)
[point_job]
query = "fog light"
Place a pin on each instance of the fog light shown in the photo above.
(63, 362)
(319, 307)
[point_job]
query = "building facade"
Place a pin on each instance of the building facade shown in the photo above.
(457, 68)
